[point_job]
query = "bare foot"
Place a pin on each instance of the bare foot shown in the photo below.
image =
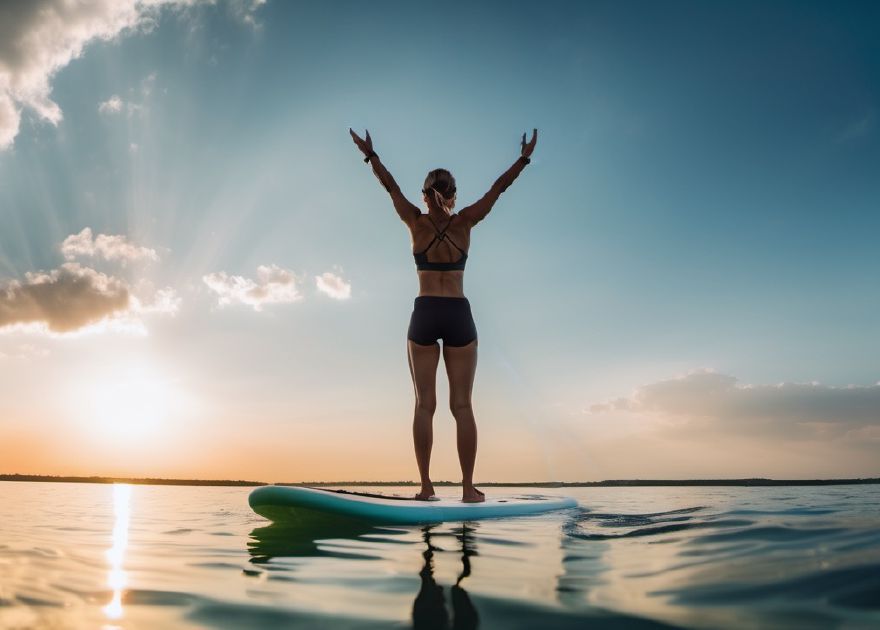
(472, 495)
(426, 493)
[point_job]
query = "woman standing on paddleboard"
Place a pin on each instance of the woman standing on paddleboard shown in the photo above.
(441, 239)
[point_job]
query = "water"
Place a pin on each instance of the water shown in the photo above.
(98, 556)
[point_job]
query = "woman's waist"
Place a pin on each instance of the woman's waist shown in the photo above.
(446, 289)
(441, 304)
(441, 283)
(440, 298)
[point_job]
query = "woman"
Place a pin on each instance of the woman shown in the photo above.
(441, 241)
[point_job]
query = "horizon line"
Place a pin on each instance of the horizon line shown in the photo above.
(162, 481)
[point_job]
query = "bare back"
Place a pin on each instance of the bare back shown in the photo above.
(422, 232)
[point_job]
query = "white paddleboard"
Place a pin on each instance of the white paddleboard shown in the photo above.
(280, 503)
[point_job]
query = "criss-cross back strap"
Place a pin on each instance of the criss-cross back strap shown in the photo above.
(441, 235)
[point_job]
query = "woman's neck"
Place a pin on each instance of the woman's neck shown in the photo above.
(439, 215)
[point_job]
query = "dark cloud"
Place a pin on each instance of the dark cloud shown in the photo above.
(63, 300)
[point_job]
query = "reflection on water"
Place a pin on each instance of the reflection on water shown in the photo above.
(630, 558)
(116, 578)
(429, 609)
(301, 538)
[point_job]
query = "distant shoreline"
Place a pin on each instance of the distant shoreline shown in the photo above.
(608, 483)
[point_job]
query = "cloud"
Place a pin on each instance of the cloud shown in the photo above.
(40, 37)
(717, 402)
(333, 285)
(146, 298)
(115, 104)
(244, 10)
(73, 299)
(273, 285)
(63, 300)
(113, 247)
(112, 105)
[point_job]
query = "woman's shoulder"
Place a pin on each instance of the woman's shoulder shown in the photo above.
(424, 222)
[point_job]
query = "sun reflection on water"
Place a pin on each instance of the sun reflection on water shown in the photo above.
(116, 577)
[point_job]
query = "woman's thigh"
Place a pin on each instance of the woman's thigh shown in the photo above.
(461, 367)
(423, 360)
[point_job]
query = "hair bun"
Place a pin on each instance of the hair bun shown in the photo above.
(441, 181)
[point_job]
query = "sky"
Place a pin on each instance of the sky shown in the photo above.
(200, 277)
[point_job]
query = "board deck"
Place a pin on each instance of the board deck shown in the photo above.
(280, 503)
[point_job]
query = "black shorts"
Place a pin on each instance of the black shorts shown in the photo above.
(447, 318)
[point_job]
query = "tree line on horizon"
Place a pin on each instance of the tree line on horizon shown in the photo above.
(158, 481)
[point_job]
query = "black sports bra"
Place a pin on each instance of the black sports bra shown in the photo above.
(422, 262)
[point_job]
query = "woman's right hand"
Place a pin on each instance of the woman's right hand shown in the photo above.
(527, 148)
(366, 146)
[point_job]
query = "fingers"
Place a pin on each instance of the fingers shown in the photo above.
(365, 147)
(527, 148)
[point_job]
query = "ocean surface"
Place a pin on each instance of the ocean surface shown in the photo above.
(103, 556)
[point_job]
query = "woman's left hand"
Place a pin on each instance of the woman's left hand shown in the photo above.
(366, 146)
(527, 148)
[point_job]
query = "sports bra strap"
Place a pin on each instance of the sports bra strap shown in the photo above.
(438, 232)
(422, 262)
(442, 235)
(454, 245)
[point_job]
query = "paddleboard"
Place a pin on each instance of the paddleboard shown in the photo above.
(280, 503)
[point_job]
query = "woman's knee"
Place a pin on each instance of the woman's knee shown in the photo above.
(426, 404)
(460, 407)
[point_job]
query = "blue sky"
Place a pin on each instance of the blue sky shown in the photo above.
(702, 199)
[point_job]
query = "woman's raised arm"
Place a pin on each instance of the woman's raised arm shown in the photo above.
(478, 210)
(407, 211)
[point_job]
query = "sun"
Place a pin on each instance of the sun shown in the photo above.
(130, 406)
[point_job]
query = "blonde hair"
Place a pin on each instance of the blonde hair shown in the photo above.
(441, 184)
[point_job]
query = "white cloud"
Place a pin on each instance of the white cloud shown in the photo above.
(146, 298)
(273, 285)
(244, 10)
(717, 402)
(112, 105)
(333, 285)
(40, 37)
(10, 118)
(74, 299)
(107, 246)
(116, 104)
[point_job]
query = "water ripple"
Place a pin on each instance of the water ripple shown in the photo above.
(628, 558)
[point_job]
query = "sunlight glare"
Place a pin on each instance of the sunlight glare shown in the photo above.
(116, 576)
(131, 407)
